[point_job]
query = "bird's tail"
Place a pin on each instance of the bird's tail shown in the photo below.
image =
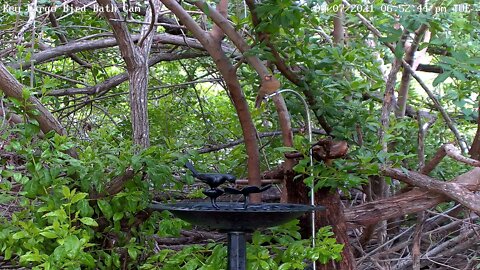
(189, 166)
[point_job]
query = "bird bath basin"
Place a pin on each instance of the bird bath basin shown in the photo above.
(235, 219)
(233, 216)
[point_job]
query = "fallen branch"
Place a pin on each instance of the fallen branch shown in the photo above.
(406, 203)
(453, 190)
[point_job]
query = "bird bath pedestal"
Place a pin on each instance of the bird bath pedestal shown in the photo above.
(236, 220)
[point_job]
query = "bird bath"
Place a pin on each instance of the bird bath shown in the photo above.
(236, 220)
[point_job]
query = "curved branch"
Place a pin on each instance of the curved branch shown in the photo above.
(222, 23)
(287, 71)
(229, 75)
(79, 46)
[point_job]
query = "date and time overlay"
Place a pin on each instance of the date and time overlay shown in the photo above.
(397, 8)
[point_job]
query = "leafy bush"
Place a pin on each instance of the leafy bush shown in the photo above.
(63, 218)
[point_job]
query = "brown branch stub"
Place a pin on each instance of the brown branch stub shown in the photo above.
(116, 184)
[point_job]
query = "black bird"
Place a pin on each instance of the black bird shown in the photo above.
(246, 191)
(213, 194)
(212, 179)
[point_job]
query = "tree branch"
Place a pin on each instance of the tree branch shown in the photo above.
(453, 190)
(406, 203)
(287, 71)
(213, 148)
(405, 81)
(63, 39)
(120, 30)
(229, 75)
(79, 46)
(429, 68)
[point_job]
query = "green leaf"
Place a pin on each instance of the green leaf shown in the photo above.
(106, 208)
(72, 246)
(19, 235)
(399, 50)
(285, 266)
(459, 75)
(79, 196)
(26, 93)
(117, 216)
(89, 221)
(49, 234)
(85, 209)
(66, 191)
(133, 252)
(441, 77)
(8, 253)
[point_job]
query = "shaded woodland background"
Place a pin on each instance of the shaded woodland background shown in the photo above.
(103, 102)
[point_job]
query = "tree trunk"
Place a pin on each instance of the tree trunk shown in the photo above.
(138, 79)
(332, 216)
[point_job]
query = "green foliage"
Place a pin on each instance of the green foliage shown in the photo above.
(64, 220)
(57, 224)
(279, 247)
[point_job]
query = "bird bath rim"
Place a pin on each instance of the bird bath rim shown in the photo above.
(233, 216)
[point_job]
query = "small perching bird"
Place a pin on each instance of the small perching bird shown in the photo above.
(212, 179)
(268, 85)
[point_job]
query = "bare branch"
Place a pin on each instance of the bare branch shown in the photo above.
(454, 153)
(79, 46)
(406, 203)
(453, 190)
(63, 39)
(114, 81)
(32, 13)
